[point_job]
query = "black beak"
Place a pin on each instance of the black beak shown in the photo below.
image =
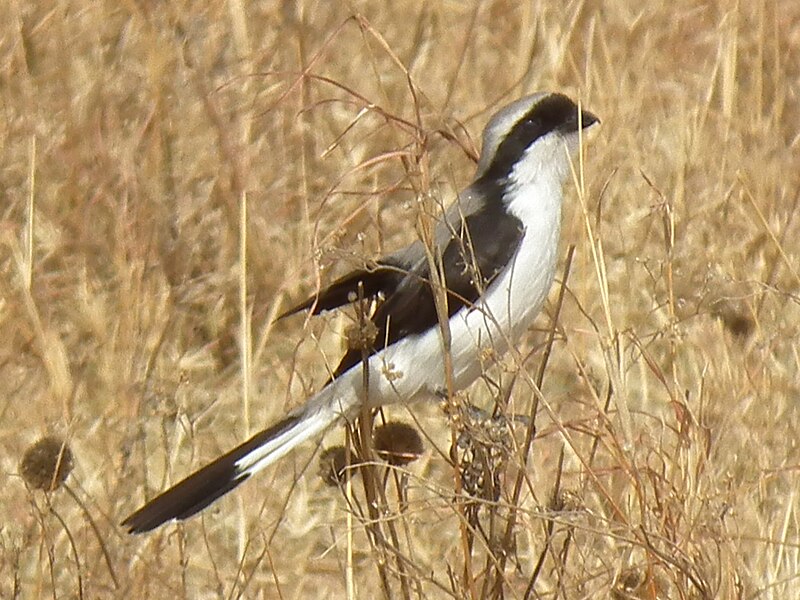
(588, 119)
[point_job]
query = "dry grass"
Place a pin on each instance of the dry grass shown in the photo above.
(666, 459)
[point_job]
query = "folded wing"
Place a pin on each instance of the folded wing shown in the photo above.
(382, 279)
(478, 248)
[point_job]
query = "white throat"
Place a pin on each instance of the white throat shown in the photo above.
(534, 187)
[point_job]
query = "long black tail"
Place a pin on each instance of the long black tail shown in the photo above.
(216, 479)
(203, 487)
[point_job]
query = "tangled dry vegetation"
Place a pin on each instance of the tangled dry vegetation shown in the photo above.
(138, 298)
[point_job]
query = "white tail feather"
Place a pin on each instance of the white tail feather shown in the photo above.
(317, 415)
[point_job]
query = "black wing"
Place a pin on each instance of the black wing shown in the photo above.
(383, 279)
(486, 242)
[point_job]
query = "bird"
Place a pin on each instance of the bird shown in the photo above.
(495, 249)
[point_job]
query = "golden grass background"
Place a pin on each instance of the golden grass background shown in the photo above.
(130, 133)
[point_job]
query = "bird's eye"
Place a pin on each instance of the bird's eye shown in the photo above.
(530, 127)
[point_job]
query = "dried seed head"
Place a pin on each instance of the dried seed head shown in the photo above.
(740, 325)
(626, 587)
(46, 464)
(483, 445)
(569, 500)
(398, 443)
(361, 337)
(333, 466)
(736, 318)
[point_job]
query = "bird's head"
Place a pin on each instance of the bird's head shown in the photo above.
(527, 139)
